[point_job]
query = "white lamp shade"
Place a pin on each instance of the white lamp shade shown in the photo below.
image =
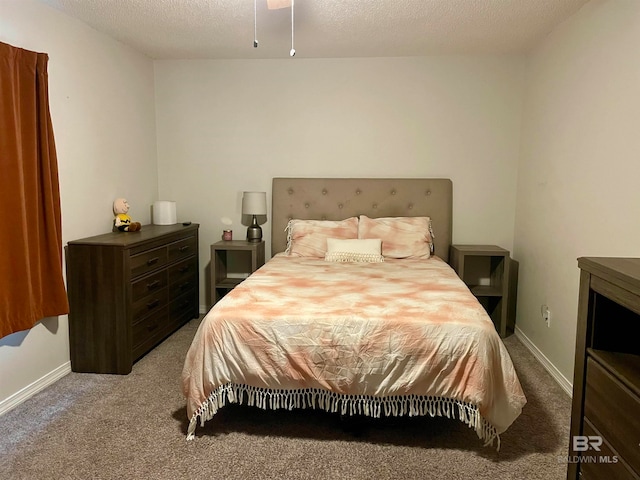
(254, 203)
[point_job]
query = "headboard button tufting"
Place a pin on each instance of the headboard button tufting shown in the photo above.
(410, 206)
(306, 205)
(428, 192)
(393, 192)
(340, 205)
(358, 192)
(290, 191)
(324, 192)
(375, 205)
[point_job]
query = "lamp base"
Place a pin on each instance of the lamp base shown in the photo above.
(254, 233)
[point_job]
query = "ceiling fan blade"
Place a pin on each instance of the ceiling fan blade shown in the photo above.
(276, 4)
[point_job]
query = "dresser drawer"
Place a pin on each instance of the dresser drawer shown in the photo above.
(183, 248)
(613, 410)
(149, 304)
(148, 285)
(148, 261)
(184, 304)
(181, 287)
(148, 331)
(185, 270)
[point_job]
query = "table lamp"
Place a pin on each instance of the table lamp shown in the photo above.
(254, 204)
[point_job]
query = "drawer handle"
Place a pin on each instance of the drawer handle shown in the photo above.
(184, 269)
(153, 260)
(152, 327)
(153, 304)
(184, 248)
(152, 285)
(185, 285)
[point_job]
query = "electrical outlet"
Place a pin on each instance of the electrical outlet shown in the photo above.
(546, 315)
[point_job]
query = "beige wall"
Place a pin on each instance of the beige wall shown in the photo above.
(578, 189)
(102, 107)
(228, 126)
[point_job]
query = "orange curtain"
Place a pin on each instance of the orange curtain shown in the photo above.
(31, 283)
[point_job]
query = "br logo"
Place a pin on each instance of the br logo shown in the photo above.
(582, 443)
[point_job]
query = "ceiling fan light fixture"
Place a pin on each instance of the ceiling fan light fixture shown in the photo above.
(255, 23)
(273, 5)
(277, 4)
(292, 52)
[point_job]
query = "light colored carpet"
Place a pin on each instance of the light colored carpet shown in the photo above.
(89, 426)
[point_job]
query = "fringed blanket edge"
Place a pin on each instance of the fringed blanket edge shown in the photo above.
(398, 405)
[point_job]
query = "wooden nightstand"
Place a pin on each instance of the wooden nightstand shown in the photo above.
(485, 270)
(231, 262)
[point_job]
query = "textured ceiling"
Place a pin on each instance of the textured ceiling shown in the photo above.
(198, 29)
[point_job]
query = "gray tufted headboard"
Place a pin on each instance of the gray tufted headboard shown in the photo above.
(340, 198)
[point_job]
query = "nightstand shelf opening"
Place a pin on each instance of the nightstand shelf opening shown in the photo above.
(485, 291)
(232, 261)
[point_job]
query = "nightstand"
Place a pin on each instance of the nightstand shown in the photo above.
(485, 270)
(231, 262)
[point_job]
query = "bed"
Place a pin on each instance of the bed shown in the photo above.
(357, 313)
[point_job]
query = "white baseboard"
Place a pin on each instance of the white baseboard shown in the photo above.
(37, 386)
(564, 383)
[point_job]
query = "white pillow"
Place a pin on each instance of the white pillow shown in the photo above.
(367, 250)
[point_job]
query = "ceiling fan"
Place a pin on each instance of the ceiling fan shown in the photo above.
(276, 4)
(272, 5)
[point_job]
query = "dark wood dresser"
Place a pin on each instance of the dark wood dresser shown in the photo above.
(604, 440)
(128, 292)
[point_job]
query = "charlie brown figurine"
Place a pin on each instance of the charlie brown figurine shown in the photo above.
(123, 222)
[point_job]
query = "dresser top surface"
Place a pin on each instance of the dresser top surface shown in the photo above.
(614, 269)
(128, 239)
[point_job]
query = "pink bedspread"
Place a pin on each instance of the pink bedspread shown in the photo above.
(402, 337)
